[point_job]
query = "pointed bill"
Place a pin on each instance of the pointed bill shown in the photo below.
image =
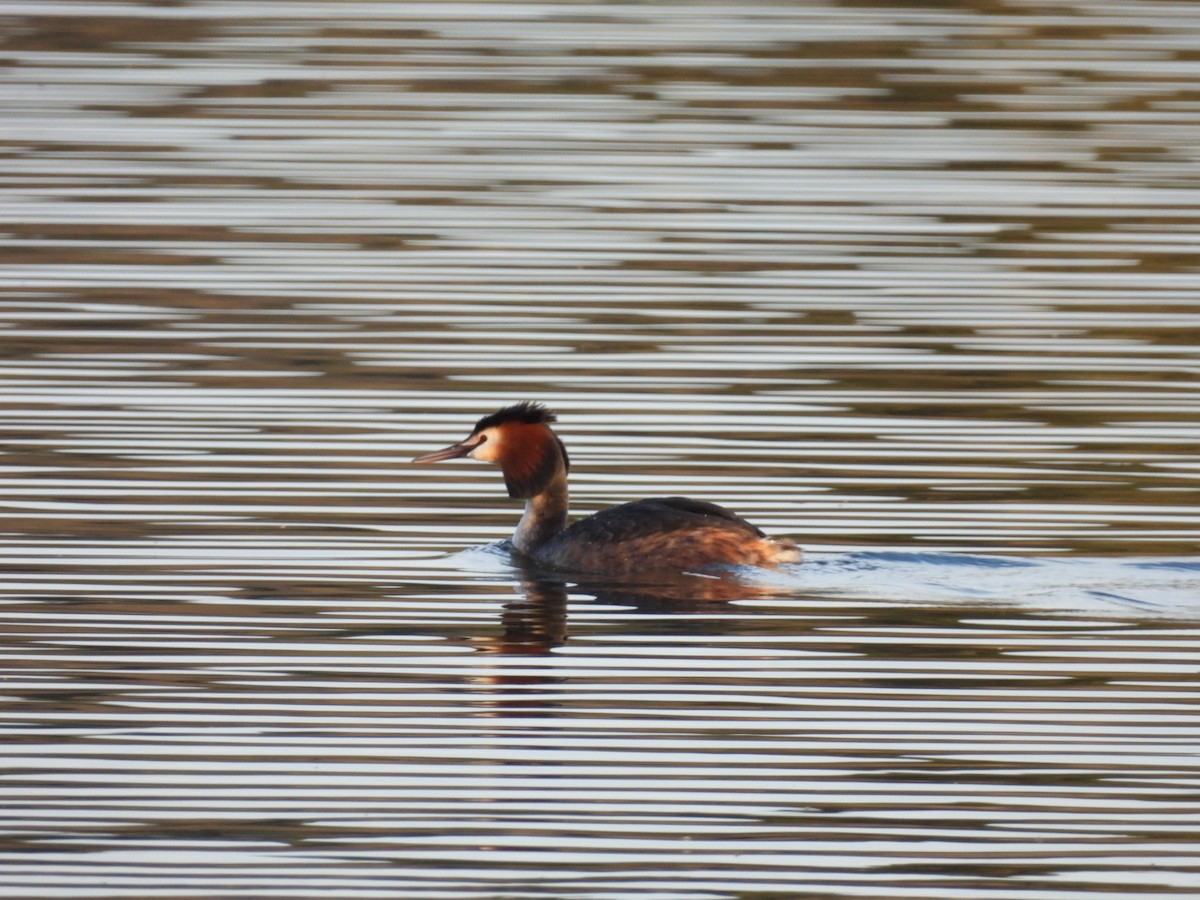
(454, 451)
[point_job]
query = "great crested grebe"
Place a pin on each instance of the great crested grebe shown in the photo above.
(664, 533)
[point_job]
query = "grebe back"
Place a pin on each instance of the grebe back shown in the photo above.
(664, 533)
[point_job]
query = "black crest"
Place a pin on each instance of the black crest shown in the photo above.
(527, 412)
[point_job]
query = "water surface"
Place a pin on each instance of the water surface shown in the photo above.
(915, 285)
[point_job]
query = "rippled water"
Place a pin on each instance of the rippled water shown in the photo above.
(913, 284)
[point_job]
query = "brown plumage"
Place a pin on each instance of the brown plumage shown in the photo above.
(667, 533)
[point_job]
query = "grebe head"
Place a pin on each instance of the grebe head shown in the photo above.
(519, 440)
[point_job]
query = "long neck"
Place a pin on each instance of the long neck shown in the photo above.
(545, 514)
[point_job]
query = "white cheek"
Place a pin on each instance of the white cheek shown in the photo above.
(489, 450)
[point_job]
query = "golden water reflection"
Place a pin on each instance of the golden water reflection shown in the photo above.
(914, 284)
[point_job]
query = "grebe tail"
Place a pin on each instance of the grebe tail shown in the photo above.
(665, 533)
